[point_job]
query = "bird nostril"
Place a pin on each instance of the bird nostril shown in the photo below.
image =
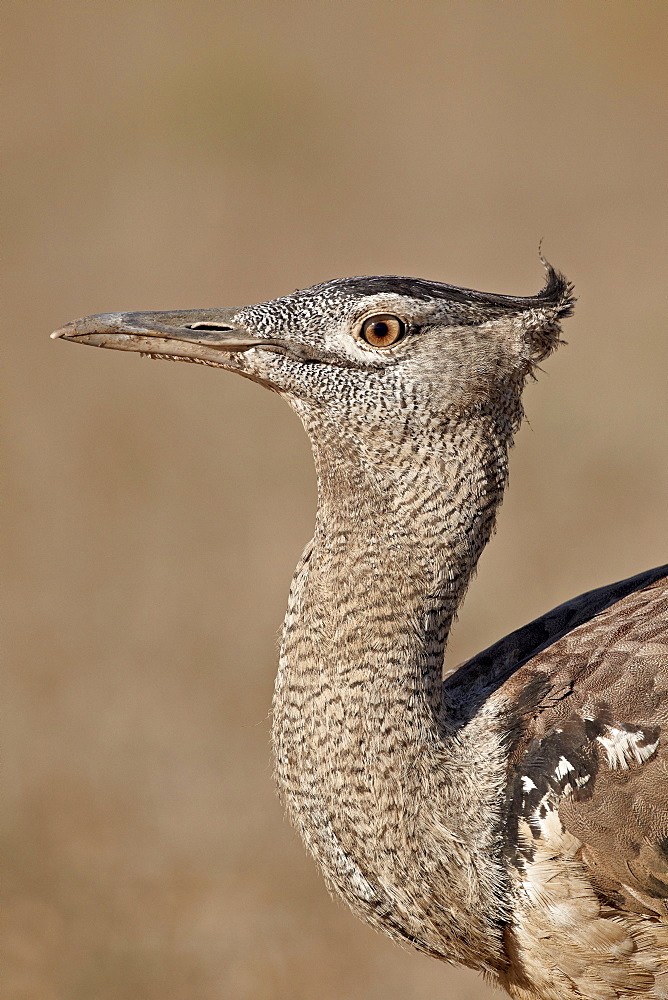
(208, 326)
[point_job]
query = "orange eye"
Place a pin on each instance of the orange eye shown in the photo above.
(383, 330)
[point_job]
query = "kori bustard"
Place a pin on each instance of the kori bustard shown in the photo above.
(513, 818)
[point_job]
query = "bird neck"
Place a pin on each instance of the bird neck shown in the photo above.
(370, 773)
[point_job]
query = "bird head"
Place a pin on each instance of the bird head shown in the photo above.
(365, 355)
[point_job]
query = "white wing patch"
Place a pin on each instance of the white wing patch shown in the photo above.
(540, 812)
(563, 767)
(623, 746)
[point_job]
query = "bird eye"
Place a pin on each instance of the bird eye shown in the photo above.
(383, 330)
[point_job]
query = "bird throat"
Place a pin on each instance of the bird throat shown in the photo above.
(362, 749)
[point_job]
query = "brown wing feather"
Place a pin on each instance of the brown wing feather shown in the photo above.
(583, 695)
(609, 721)
(587, 819)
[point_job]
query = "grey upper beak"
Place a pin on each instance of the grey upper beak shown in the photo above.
(176, 333)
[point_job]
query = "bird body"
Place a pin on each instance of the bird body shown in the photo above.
(513, 818)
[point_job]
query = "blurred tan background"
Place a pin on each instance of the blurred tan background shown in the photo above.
(178, 154)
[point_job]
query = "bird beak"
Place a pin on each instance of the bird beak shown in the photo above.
(196, 334)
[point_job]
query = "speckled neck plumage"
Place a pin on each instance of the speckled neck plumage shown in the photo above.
(364, 758)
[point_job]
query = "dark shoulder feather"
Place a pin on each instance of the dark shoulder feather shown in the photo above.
(493, 666)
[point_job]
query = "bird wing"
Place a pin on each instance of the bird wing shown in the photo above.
(587, 817)
(582, 697)
(594, 745)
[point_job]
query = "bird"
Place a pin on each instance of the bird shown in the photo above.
(512, 817)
